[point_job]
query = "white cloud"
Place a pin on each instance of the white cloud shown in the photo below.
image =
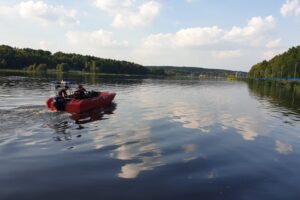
(42, 12)
(227, 54)
(271, 53)
(98, 38)
(198, 36)
(43, 44)
(210, 46)
(128, 14)
(114, 6)
(158, 40)
(189, 37)
(6, 11)
(273, 43)
(255, 33)
(290, 8)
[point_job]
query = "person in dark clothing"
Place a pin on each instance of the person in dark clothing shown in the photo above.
(63, 92)
(80, 88)
(60, 99)
(80, 92)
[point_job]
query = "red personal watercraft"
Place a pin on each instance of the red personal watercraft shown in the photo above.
(90, 101)
(73, 105)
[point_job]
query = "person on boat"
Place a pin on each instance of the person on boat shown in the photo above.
(63, 92)
(80, 88)
(80, 92)
(60, 98)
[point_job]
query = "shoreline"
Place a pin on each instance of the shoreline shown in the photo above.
(80, 73)
(53, 72)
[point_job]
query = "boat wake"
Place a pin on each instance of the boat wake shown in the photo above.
(30, 120)
(26, 119)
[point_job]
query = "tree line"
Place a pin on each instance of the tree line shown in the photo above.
(33, 60)
(41, 60)
(284, 66)
(198, 71)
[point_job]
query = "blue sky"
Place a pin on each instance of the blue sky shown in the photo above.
(201, 33)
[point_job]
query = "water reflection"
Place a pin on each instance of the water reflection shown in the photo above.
(188, 148)
(63, 126)
(183, 138)
(191, 152)
(278, 95)
(283, 148)
(191, 118)
(213, 174)
(22, 120)
(244, 125)
(94, 115)
(143, 154)
(249, 127)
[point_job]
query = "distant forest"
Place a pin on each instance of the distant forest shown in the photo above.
(32, 60)
(286, 65)
(40, 60)
(198, 71)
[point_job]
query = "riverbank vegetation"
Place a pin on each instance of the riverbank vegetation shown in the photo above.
(199, 72)
(41, 61)
(283, 66)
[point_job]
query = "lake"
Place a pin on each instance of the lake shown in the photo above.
(162, 139)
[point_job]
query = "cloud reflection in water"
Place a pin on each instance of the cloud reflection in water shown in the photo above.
(189, 117)
(142, 150)
(283, 148)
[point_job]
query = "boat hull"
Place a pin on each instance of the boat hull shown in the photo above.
(103, 99)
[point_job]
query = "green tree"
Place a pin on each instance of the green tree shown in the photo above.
(31, 68)
(41, 68)
(63, 67)
(16, 58)
(2, 63)
(281, 66)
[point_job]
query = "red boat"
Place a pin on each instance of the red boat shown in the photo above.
(73, 105)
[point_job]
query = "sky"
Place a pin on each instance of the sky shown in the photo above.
(227, 34)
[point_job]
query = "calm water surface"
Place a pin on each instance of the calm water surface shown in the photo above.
(164, 139)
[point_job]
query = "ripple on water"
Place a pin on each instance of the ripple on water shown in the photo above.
(166, 139)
